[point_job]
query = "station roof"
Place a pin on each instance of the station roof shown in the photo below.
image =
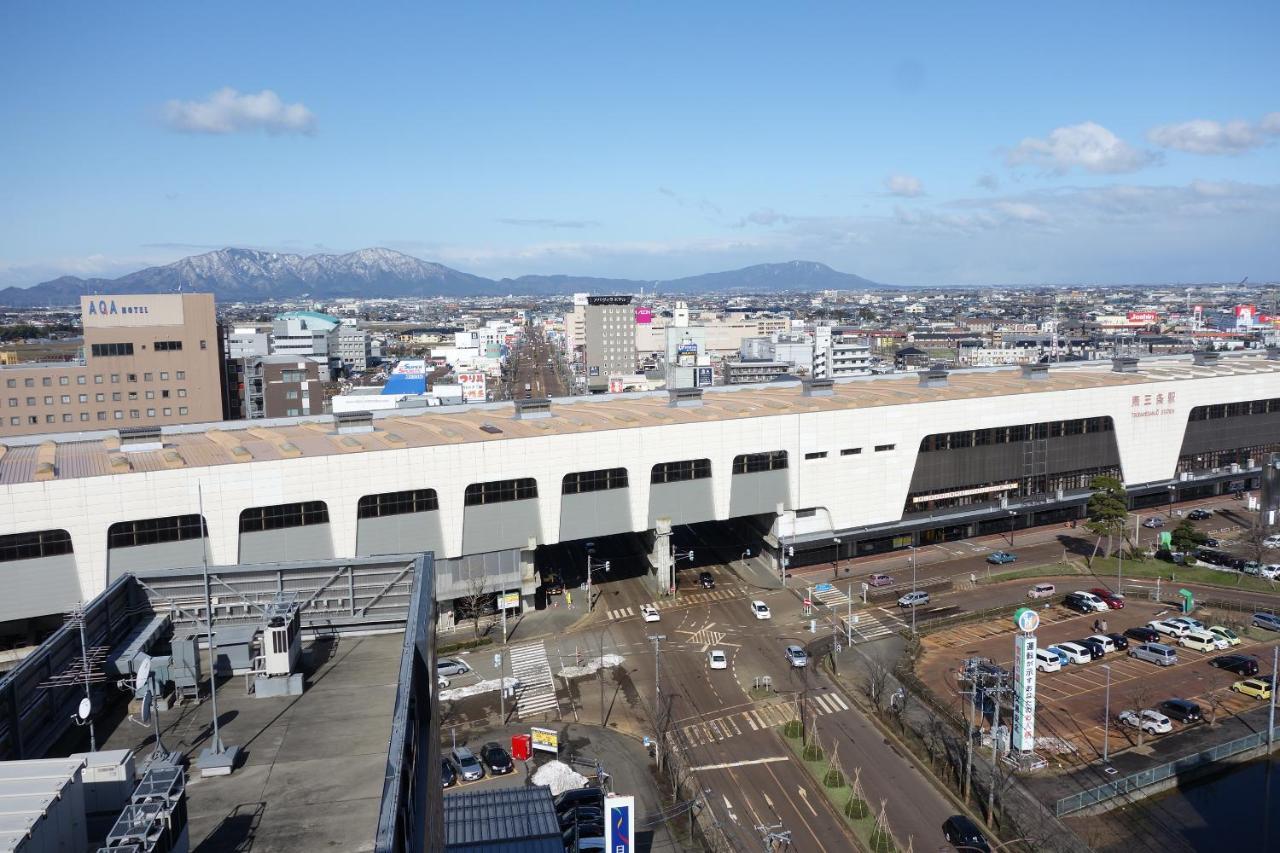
(520, 820)
(75, 455)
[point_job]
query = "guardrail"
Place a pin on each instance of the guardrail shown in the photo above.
(1145, 778)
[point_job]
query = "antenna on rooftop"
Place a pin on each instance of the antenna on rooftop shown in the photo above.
(215, 759)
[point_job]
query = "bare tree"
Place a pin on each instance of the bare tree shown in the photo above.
(875, 681)
(1217, 701)
(1255, 540)
(474, 599)
(1140, 696)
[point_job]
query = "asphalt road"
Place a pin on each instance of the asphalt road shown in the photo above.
(528, 365)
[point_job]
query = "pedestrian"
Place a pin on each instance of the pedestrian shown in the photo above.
(1095, 626)
(568, 598)
(1104, 627)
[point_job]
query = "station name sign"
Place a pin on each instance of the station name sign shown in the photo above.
(1152, 405)
(608, 300)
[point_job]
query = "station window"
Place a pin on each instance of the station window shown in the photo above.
(676, 472)
(111, 350)
(880, 448)
(594, 481)
(153, 531)
(168, 346)
(750, 463)
(851, 451)
(397, 503)
(32, 546)
(259, 518)
(500, 491)
(817, 454)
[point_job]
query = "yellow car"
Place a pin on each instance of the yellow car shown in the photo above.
(1226, 634)
(1258, 688)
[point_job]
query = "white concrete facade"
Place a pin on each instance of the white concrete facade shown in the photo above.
(868, 488)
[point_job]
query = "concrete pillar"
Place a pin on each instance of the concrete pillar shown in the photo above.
(528, 574)
(663, 577)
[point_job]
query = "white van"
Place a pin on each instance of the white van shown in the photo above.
(1047, 661)
(1042, 590)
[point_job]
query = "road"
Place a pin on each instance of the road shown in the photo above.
(533, 362)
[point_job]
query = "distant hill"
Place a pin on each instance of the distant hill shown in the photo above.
(249, 275)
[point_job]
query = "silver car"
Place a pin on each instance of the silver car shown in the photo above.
(1270, 621)
(1157, 653)
(797, 656)
(912, 599)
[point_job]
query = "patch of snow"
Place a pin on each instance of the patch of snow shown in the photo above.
(559, 777)
(590, 667)
(476, 689)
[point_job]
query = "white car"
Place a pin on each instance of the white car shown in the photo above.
(761, 610)
(1193, 624)
(1096, 603)
(716, 659)
(1152, 722)
(1271, 571)
(650, 613)
(1075, 652)
(1173, 629)
(1108, 644)
(1271, 542)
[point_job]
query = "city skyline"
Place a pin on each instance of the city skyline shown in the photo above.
(912, 149)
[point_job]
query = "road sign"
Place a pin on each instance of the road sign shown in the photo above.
(823, 587)
(808, 603)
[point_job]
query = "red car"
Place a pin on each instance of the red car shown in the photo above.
(879, 580)
(1115, 602)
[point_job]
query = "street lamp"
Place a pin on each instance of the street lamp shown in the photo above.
(602, 566)
(1172, 489)
(835, 572)
(1013, 517)
(1106, 718)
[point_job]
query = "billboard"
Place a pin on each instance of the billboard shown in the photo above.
(473, 386)
(608, 300)
(547, 740)
(619, 824)
(703, 377)
(615, 384)
(1245, 315)
(1024, 682)
(100, 312)
(1144, 317)
(644, 316)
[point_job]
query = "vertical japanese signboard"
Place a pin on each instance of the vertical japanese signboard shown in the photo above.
(1024, 680)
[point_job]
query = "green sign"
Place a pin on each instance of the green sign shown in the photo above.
(1166, 540)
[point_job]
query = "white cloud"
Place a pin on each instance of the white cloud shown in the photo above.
(1087, 146)
(988, 181)
(1020, 211)
(229, 111)
(765, 216)
(906, 186)
(1205, 136)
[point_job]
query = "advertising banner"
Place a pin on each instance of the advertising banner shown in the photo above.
(704, 377)
(473, 386)
(1024, 692)
(619, 824)
(547, 740)
(1145, 317)
(644, 316)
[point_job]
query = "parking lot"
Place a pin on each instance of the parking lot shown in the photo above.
(1071, 702)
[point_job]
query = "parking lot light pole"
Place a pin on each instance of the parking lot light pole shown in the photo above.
(1013, 520)
(835, 572)
(1106, 718)
(1171, 489)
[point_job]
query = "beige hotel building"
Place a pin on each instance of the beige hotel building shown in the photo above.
(147, 360)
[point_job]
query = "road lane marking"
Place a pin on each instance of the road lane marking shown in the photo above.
(746, 763)
(805, 797)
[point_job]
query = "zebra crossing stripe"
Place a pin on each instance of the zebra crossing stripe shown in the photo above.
(837, 699)
(821, 701)
(749, 716)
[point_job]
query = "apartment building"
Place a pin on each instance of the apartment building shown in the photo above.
(148, 360)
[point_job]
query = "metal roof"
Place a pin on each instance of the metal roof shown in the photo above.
(513, 820)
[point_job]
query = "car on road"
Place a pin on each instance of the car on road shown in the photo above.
(650, 613)
(1239, 664)
(796, 656)
(706, 581)
(1142, 634)
(1108, 644)
(1258, 688)
(1270, 621)
(1157, 653)
(1063, 658)
(760, 610)
(448, 776)
(552, 584)
(1120, 641)
(451, 666)
(914, 599)
(1226, 634)
(717, 659)
(1199, 514)
(1154, 521)
(1048, 661)
(1075, 652)
(963, 834)
(1111, 599)
(1096, 649)
(1203, 641)
(879, 580)
(496, 759)
(1151, 722)
(469, 767)
(1183, 710)
(1169, 627)
(1042, 590)
(999, 558)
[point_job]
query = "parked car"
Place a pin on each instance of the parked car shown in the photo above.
(1183, 710)
(1042, 590)
(717, 659)
(1199, 514)
(1142, 634)
(760, 610)
(1239, 664)
(999, 558)
(448, 776)
(496, 759)
(1151, 722)
(441, 682)
(1258, 688)
(914, 599)
(1078, 602)
(1193, 624)
(469, 767)
(1120, 641)
(1076, 653)
(706, 580)
(1271, 542)
(879, 580)
(1252, 569)
(1157, 653)
(1096, 649)
(1154, 521)
(1270, 621)
(1048, 661)
(1210, 542)
(796, 656)
(961, 832)
(575, 797)
(1111, 599)
(1108, 644)
(650, 613)
(1096, 603)
(451, 666)
(1226, 634)
(1271, 571)
(1169, 627)
(1063, 658)
(1203, 641)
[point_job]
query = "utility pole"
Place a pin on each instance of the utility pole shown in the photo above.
(657, 696)
(995, 751)
(1271, 712)
(774, 837)
(1106, 719)
(913, 589)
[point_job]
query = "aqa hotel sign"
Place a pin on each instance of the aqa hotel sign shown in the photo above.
(116, 311)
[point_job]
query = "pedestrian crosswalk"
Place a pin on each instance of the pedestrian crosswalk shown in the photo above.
(832, 596)
(872, 624)
(684, 599)
(755, 719)
(536, 693)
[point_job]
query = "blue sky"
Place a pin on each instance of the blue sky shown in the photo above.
(927, 143)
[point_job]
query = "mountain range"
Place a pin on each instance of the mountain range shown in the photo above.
(250, 275)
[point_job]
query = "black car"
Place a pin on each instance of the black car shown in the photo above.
(448, 776)
(575, 797)
(497, 759)
(582, 816)
(1096, 649)
(1199, 514)
(1078, 603)
(552, 584)
(1211, 542)
(706, 580)
(963, 833)
(1182, 710)
(1239, 664)
(1121, 642)
(1143, 634)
